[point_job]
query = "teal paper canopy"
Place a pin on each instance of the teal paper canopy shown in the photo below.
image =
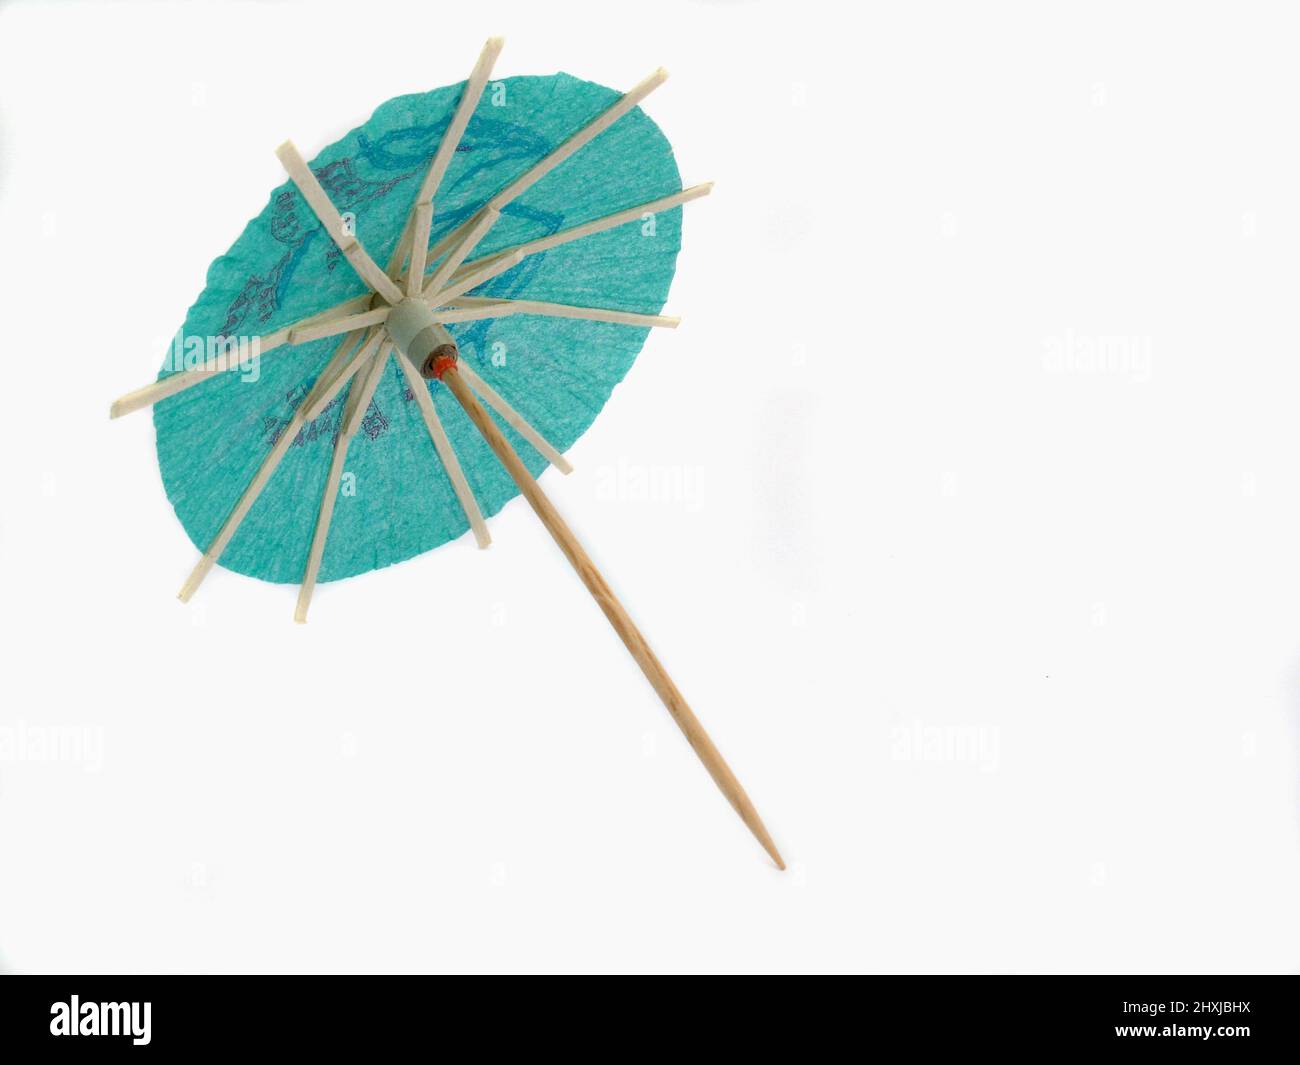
(556, 372)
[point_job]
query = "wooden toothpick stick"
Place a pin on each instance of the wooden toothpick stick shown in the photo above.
(359, 397)
(618, 617)
(336, 374)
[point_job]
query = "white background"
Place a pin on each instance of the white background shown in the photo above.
(1002, 638)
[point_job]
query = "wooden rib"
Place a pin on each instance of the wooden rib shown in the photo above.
(178, 382)
(323, 518)
(451, 136)
(420, 246)
(469, 281)
(336, 374)
(446, 453)
(318, 200)
(356, 414)
(588, 132)
(514, 419)
(457, 255)
(359, 397)
(598, 225)
(539, 170)
(469, 314)
(335, 326)
(500, 307)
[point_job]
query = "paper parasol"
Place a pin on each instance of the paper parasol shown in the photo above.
(530, 236)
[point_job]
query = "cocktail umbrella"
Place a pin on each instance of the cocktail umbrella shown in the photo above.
(530, 234)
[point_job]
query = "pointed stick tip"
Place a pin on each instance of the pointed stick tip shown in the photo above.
(116, 411)
(765, 841)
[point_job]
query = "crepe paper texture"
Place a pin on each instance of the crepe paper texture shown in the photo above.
(397, 501)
